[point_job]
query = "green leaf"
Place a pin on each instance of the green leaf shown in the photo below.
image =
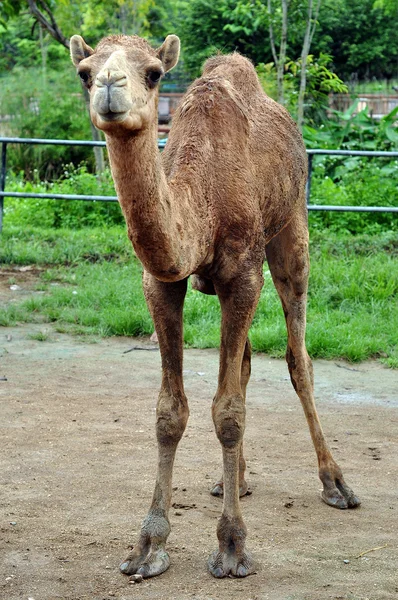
(392, 134)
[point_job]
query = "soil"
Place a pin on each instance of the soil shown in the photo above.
(78, 456)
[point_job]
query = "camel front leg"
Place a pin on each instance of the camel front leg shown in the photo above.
(238, 304)
(165, 302)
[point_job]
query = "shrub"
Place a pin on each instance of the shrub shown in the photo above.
(63, 213)
(51, 108)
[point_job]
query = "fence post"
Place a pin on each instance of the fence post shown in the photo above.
(3, 180)
(308, 186)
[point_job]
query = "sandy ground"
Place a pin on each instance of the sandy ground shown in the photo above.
(78, 461)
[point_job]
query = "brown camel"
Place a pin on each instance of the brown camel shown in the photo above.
(227, 192)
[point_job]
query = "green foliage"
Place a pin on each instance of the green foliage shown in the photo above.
(354, 130)
(9, 9)
(321, 81)
(129, 17)
(202, 31)
(21, 46)
(360, 36)
(388, 6)
(246, 18)
(355, 183)
(44, 107)
(63, 213)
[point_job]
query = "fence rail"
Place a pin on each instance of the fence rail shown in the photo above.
(161, 143)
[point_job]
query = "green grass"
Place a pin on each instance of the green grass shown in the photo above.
(352, 307)
(40, 336)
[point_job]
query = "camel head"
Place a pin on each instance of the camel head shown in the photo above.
(122, 76)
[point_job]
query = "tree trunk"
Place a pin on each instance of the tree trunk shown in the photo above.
(282, 52)
(309, 34)
(43, 51)
(279, 60)
(96, 135)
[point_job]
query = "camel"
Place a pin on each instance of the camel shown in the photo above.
(227, 192)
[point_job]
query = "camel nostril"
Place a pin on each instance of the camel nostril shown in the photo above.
(121, 82)
(109, 79)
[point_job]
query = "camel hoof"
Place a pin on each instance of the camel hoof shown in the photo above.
(147, 565)
(218, 490)
(340, 496)
(227, 564)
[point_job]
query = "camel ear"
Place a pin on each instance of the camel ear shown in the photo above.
(169, 52)
(79, 49)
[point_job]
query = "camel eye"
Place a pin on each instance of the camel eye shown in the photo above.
(84, 76)
(154, 77)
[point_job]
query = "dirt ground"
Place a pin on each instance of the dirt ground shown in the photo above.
(78, 459)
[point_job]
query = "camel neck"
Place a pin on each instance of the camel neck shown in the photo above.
(159, 218)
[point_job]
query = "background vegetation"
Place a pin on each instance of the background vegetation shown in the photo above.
(82, 248)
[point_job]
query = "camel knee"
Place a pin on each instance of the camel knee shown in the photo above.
(229, 421)
(171, 420)
(300, 369)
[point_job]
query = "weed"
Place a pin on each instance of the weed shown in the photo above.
(40, 336)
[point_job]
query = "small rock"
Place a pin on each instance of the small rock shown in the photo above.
(346, 562)
(15, 287)
(137, 578)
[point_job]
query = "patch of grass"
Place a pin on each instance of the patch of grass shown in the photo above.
(40, 336)
(30, 245)
(352, 304)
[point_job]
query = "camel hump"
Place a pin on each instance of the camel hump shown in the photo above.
(237, 69)
(213, 99)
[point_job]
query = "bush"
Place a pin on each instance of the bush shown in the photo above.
(357, 182)
(50, 108)
(63, 213)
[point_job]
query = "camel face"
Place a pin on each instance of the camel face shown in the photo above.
(122, 75)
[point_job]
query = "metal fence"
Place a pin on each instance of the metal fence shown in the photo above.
(161, 143)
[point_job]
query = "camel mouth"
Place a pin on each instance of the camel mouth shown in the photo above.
(111, 117)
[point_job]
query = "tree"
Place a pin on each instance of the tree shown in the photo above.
(281, 58)
(360, 36)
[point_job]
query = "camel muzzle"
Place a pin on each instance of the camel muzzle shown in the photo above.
(111, 99)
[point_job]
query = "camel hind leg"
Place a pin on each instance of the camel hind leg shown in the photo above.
(218, 489)
(288, 260)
